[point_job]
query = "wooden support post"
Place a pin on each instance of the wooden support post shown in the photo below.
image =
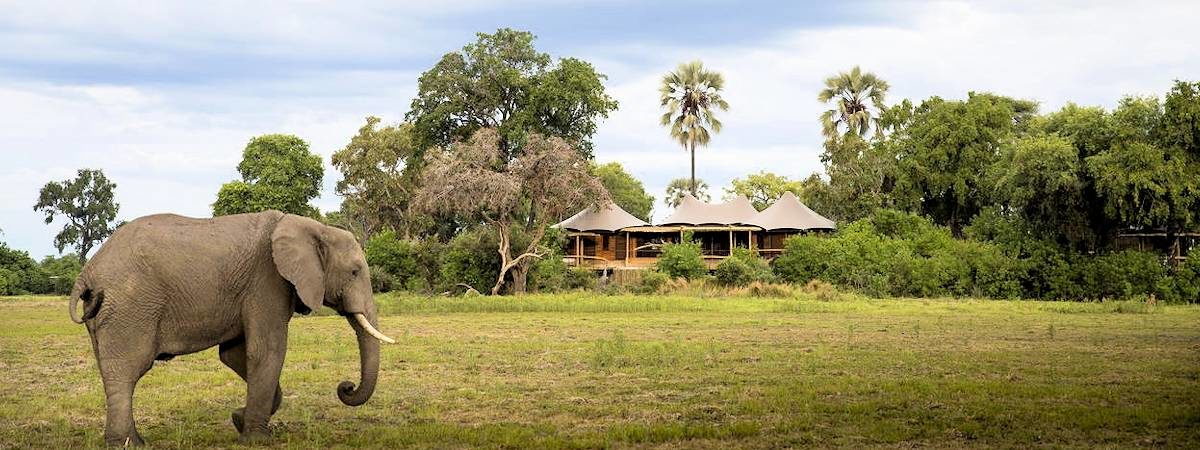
(731, 242)
(578, 251)
(626, 249)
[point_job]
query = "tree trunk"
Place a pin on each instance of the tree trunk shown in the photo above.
(693, 151)
(520, 277)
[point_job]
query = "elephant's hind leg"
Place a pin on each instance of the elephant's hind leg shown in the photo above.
(122, 363)
(233, 355)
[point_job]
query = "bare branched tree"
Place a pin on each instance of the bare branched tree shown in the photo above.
(548, 180)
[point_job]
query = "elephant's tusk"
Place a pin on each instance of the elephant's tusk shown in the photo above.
(366, 324)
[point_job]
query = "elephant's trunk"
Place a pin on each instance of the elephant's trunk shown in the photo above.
(368, 354)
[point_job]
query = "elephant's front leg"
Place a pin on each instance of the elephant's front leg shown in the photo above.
(265, 352)
(233, 355)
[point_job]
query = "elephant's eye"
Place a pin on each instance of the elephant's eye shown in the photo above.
(354, 273)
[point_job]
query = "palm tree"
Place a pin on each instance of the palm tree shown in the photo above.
(689, 94)
(852, 90)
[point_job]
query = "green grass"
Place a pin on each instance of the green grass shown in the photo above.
(587, 371)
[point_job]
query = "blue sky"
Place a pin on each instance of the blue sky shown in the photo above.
(164, 95)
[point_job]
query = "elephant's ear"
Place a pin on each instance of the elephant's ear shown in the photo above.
(298, 250)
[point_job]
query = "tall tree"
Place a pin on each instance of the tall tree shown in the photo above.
(679, 187)
(690, 95)
(1038, 176)
(527, 193)
(764, 188)
(945, 153)
(625, 190)
(861, 173)
(86, 203)
(380, 169)
(1148, 182)
(501, 81)
(278, 172)
(851, 91)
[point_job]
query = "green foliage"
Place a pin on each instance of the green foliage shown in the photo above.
(1040, 175)
(680, 187)
(850, 93)
(742, 268)
(1185, 283)
(86, 204)
(652, 282)
(411, 265)
(380, 169)
(61, 272)
(470, 258)
(947, 149)
(21, 275)
(899, 254)
(682, 260)
(550, 273)
(278, 172)
(501, 81)
(625, 190)
(764, 188)
(1146, 182)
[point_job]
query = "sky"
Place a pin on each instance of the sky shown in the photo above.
(163, 96)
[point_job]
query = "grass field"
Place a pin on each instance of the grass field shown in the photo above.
(585, 371)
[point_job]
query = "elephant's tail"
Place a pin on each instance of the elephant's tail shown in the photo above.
(91, 301)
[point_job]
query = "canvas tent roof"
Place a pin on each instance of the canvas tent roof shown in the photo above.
(789, 213)
(691, 211)
(609, 218)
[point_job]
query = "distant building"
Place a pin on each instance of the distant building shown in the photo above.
(610, 237)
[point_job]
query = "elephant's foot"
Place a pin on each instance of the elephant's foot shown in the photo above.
(238, 419)
(129, 441)
(255, 437)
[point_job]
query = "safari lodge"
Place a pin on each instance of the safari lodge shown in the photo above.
(610, 237)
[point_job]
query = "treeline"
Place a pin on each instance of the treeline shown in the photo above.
(22, 275)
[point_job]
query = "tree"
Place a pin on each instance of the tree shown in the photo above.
(945, 152)
(625, 190)
(86, 203)
(380, 169)
(1038, 177)
(689, 95)
(764, 188)
(525, 194)
(861, 173)
(1147, 181)
(850, 92)
(501, 81)
(278, 172)
(678, 187)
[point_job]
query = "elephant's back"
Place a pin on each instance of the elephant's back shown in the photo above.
(173, 249)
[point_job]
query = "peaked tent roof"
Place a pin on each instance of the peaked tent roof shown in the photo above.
(691, 211)
(609, 218)
(789, 213)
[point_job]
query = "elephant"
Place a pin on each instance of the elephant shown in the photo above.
(168, 285)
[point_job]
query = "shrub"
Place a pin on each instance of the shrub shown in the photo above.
(900, 254)
(743, 267)
(1186, 281)
(61, 272)
(652, 282)
(733, 272)
(21, 275)
(682, 260)
(470, 258)
(402, 263)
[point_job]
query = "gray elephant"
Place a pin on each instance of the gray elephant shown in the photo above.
(167, 285)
